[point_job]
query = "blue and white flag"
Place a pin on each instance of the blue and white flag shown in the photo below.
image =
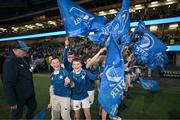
(112, 83)
(148, 40)
(147, 47)
(159, 61)
(117, 28)
(151, 85)
(140, 29)
(77, 21)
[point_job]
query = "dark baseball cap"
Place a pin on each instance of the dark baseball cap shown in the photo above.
(22, 45)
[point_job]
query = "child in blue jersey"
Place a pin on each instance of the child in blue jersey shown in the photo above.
(90, 83)
(89, 62)
(68, 57)
(79, 94)
(60, 92)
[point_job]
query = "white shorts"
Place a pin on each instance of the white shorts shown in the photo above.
(127, 78)
(91, 96)
(76, 104)
(137, 70)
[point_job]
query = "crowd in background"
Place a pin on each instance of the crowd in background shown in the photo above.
(41, 50)
(156, 14)
(80, 46)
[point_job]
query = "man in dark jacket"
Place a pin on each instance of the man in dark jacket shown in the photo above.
(18, 83)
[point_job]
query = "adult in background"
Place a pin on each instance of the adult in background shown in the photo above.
(18, 82)
(2, 58)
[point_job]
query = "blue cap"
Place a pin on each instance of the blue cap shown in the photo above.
(22, 45)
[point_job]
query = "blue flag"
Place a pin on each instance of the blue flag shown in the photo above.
(117, 28)
(147, 47)
(159, 61)
(112, 83)
(151, 85)
(41, 115)
(77, 21)
(140, 29)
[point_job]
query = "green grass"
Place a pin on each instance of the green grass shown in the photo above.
(142, 104)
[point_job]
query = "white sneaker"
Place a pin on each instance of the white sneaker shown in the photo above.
(115, 118)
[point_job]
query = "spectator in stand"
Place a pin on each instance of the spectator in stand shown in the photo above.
(2, 58)
(50, 58)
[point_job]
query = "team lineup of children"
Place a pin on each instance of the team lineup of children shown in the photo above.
(73, 86)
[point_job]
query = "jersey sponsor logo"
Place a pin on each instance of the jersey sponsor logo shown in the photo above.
(60, 77)
(83, 77)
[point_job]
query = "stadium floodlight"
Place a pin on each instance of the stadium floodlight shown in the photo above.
(102, 13)
(153, 28)
(133, 24)
(113, 11)
(173, 26)
(155, 2)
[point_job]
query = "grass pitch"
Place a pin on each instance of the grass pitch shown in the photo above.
(142, 104)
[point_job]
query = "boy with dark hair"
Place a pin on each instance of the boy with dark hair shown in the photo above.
(59, 91)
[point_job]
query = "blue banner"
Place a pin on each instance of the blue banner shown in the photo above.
(151, 85)
(112, 83)
(117, 28)
(159, 61)
(77, 21)
(149, 49)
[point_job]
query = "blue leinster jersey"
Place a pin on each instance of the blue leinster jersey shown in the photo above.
(79, 91)
(57, 81)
